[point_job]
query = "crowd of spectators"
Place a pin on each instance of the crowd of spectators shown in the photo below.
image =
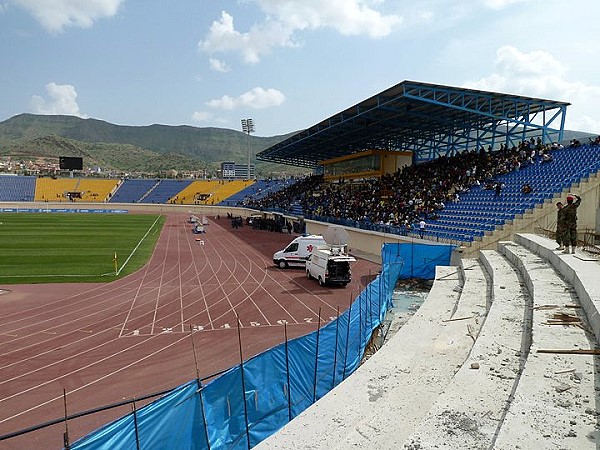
(405, 197)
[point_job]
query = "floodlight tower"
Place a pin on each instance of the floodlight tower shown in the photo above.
(248, 127)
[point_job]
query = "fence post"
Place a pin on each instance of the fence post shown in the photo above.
(347, 341)
(66, 433)
(287, 370)
(242, 376)
(317, 356)
(337, 328)
(200, 387)
(135, 425)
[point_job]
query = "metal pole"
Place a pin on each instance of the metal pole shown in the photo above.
(287, 370)
(248, 127)
(360, 325)
(317, 356)
(200, 387)
(337, 328)
(242, 376)
(347, 341)
(66, 433)
(135, 424)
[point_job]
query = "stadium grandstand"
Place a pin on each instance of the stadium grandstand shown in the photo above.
(429, 181)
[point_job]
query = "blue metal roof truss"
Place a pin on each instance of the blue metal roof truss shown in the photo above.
(428, 119)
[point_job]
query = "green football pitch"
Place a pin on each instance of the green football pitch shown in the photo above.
(74, 247)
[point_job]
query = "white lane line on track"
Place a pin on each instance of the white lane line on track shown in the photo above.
(186, 336)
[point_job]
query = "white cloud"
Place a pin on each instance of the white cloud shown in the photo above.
(284, 18)
(201, 116)
(62, 100)
(257, 98)
(223, 37)
(499, 4)
(218, 65)
(55, 15)
(540, 74)
(348, 17)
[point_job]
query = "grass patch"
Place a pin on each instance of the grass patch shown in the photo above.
(74, 247)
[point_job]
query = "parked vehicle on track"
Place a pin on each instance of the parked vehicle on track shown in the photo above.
(330, 265)
(297, 251)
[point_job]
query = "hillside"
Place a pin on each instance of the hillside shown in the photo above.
(152, 148)
(142, 148)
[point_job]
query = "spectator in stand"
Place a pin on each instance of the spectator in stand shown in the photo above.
(526, 189)
(546, 157)
(422, 226)
(497, 189)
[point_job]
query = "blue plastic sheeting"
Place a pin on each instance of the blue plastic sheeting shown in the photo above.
(251, 401)
(417, 260)
(173, 421)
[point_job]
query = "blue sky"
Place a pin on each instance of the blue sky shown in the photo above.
(287, 64)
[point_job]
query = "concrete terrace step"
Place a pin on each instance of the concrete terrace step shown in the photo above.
(469, 412)
(386, 398)
(582, 272)
(555, 390)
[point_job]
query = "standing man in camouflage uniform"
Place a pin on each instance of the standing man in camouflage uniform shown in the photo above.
(560, 226)
(570, 220)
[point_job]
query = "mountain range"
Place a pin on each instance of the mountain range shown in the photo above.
(131, 148)
(152, 149)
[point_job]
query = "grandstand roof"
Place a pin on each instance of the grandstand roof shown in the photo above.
(430, 120)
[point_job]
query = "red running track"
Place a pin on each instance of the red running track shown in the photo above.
(104, 343)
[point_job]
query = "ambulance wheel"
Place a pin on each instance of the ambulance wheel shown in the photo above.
(283, 264)
(321, 282)
(308, 274)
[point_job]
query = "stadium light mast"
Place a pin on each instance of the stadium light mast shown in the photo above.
(248, 127)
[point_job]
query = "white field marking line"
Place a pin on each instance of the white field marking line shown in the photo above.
(268, 263)
(225, 295)
(75, 355)
(156, 267)
(137, 295)
(162, 277)
(87, 366)
(69, 305)
(63, 346)
(217, 288)
(222, 263)
(53, 276)
(241, 285)
(66, 323)
(138, 245)
(311, 325)
(98, 292)
(293, 296)
(258, 287)
(200, 284)
(186, 336)
(180, 276)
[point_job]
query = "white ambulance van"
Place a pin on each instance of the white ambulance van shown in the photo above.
(330, 265)
(297, 251)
